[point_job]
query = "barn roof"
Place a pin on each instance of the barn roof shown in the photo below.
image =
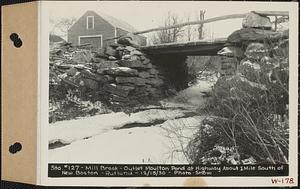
(55, 38)
(116, 22)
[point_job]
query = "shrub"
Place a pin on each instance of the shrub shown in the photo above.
(255, 104)
(69, 105)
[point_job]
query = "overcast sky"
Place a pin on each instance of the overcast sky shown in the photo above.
(145, 15)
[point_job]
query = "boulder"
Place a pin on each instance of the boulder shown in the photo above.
(100, 54)
(131, 80)
(266, 60)
(101, 70)
(246, 35)
(120, 48)
(106, 65)
(110, 51)
(121, 71)
(128, 41)
(154, 93)
(253, 20)
(239, 88)
(136, 52)
(144, 75)
(129, 49)
(140, 91)
(126, 56)
(131, 40)
(153, 71)
(90, 83)
(134, 64)
(115, 45)
(120, 51)
(82, 56)
(121, 99)
(156, 82)
(81, 67)
(257, 51)
(227, 65)
(231, 51)
(72, 71)
(97, 60)
(134, 57)
(250, 70)
(107, 79)
(281, 49)
(112, 58)
(94, 76)
(145, 60)
(120, 90)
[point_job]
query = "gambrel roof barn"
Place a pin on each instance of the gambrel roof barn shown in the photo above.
(95, 27)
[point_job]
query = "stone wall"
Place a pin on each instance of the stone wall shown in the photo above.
(134, 79)
(252, 41)
(120, 74)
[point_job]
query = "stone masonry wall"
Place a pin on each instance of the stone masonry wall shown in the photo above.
(120, 74)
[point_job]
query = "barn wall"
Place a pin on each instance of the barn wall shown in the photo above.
(121, 32)
(101, 27)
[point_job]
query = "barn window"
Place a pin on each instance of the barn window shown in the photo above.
(90, 22)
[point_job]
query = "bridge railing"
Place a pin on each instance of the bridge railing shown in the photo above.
(209, 20)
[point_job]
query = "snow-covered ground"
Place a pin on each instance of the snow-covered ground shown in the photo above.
(100, 139)
(193, 96)
(72, 130)
(155, 144)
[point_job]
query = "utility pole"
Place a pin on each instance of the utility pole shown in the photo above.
(200, 27)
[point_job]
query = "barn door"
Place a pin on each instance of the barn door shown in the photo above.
(95, 41)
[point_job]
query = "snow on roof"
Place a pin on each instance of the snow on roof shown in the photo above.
(116, 22)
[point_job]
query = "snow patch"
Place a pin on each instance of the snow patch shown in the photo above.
(73, 130)
(149, 145)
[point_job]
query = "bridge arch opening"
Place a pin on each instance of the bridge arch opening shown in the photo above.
(174, 68)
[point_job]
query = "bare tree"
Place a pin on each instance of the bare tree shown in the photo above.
(61, 25)
(200, 27)
(280, 23)
(189, 33)
(169, 35)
